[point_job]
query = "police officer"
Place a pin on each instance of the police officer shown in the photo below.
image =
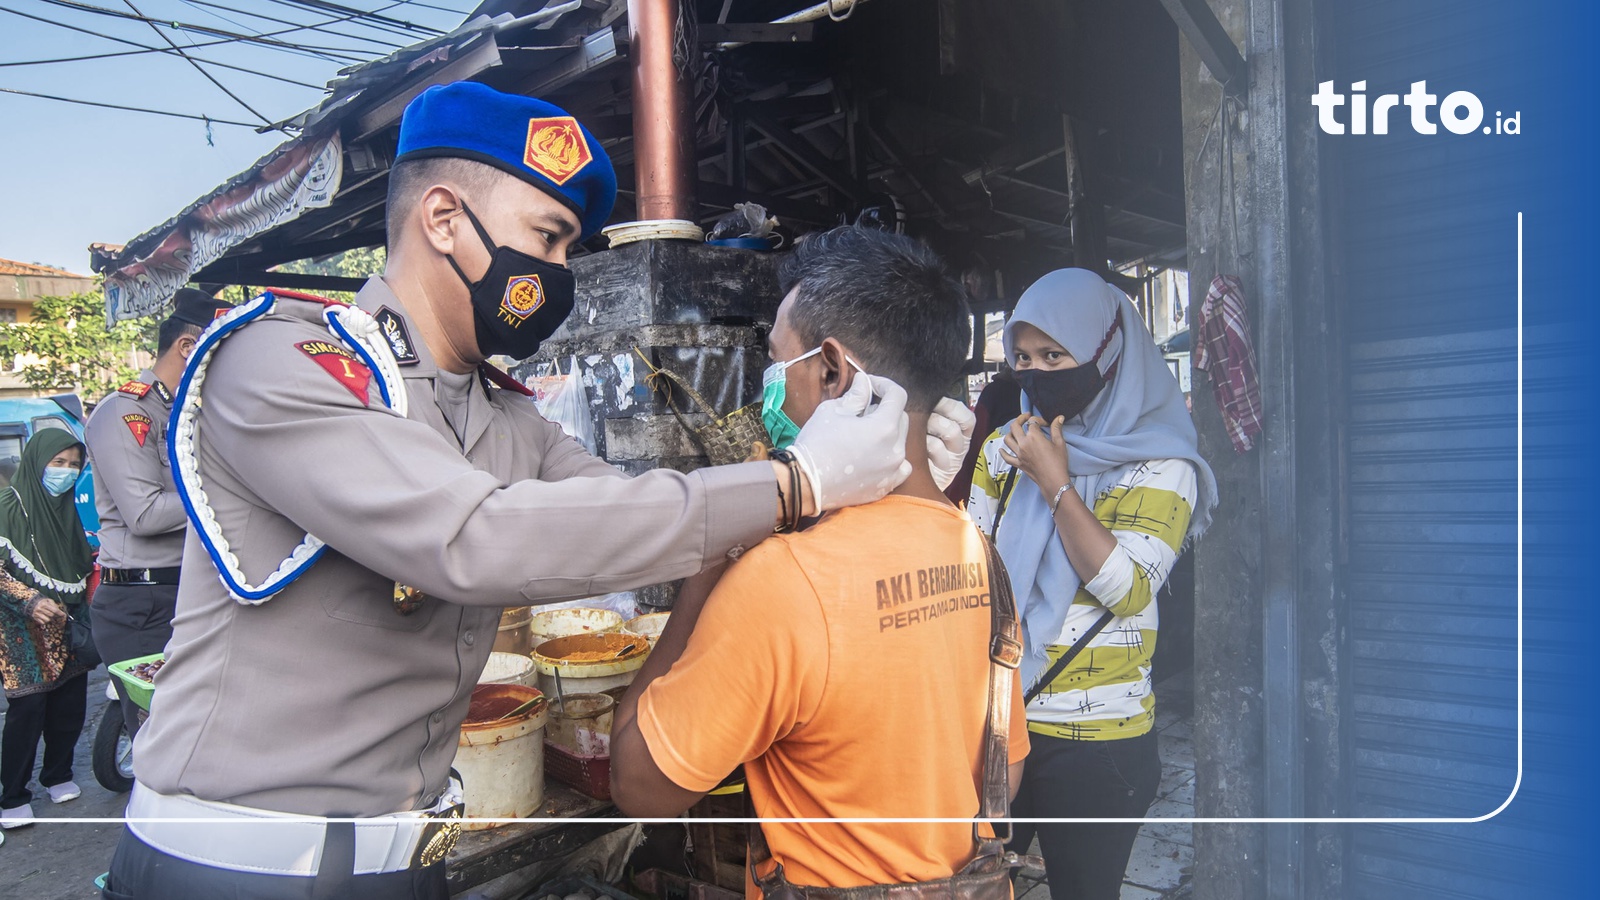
(366, 495)
(141, 517)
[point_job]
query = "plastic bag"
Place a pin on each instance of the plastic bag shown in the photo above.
(563, 400)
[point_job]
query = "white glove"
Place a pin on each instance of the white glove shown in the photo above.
(852, 455)
(949, 435)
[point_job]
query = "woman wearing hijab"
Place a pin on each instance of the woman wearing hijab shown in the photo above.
(46, 559)
(1090, 495)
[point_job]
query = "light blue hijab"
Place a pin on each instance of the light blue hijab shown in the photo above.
(1139, 415)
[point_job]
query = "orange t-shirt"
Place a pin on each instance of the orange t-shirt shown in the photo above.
(847, 668)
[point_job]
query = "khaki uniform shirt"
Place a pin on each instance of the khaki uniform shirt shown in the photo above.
(326, 700)
(141, 518)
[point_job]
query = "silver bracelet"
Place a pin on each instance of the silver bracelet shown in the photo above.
(1056, 503)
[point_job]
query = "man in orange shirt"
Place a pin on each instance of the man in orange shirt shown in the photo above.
(846, 665)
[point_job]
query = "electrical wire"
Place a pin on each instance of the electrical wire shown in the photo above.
(137, 109)
(209, 62)
(119, 40)
(298, 26)
(208, 76)
(459, 12)
(328, 6)
(203, 29)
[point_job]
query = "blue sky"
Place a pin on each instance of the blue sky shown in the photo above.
(73, 175)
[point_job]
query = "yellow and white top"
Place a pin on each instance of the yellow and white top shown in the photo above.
(1106, 694)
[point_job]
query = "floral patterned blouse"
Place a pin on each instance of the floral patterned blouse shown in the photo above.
(34, 658)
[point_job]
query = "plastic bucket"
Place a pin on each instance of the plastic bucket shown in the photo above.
(509, 668)
(559, 623)
(582, 724)
(649, 625)
(513, 636)
(589, 663)
(501, 762)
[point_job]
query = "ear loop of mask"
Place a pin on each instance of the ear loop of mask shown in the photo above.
(488, 244)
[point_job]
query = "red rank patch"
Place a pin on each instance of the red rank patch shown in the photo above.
(136, 388)
(139, 425)
(342, 365)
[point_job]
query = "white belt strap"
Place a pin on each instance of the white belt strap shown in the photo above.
(225, 836)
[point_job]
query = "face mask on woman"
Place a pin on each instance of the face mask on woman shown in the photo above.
(59, 479)
(1068, 392)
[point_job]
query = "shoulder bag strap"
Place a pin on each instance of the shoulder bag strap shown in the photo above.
(1005, 654)
(1066, 658)
(1005, 497)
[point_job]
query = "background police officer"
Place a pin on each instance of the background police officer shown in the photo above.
(141, 517)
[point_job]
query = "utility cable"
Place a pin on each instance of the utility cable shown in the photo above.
(147, 47)
(204, 29)
(208, 76)
(387, 45)
(209, 62)
(411, 33)
(326, 6)
(138, 109)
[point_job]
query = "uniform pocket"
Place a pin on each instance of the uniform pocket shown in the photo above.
(378, 611)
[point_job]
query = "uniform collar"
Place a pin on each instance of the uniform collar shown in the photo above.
(377, 298)
(148, 376)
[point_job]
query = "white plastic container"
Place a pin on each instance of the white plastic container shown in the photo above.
(607, 669)
(502, 762)
(509, 668)
(649, 625)
(559, 623)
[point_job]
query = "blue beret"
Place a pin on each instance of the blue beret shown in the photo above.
(531, 139)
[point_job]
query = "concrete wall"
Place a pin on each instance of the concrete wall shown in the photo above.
(32, 287)
(1268, 632)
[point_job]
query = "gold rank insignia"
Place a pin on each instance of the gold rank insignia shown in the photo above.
(556, 148)
(407, 600)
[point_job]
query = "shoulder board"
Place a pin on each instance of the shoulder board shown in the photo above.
(301, 295)
(134, 388)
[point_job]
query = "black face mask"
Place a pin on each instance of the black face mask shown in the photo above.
(1067, 392)
(519, 301)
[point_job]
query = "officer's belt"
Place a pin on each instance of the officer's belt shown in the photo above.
(243, 839)
(168, 575)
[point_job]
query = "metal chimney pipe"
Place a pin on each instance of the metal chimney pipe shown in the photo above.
(663, 132)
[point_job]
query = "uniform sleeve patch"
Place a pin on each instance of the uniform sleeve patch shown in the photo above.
(139, 424)
(136, 388)
(344, 366)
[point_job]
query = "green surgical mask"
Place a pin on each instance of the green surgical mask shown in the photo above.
(774, 390)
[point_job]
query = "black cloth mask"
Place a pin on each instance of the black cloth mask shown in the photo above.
(519, 301)
(1067, 392)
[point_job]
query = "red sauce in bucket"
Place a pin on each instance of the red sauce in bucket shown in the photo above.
(491, 701)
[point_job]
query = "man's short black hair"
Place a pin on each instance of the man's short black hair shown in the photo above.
(171, 329)
(888, 298)
(409, 178)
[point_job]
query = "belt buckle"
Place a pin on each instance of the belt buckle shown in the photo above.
(439, 836)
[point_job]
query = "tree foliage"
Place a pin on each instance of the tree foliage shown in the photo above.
(67, 347)
(358, 263)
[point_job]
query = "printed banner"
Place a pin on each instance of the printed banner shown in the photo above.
(301, 177)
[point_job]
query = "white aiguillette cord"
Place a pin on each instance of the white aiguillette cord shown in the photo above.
(352, 327)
